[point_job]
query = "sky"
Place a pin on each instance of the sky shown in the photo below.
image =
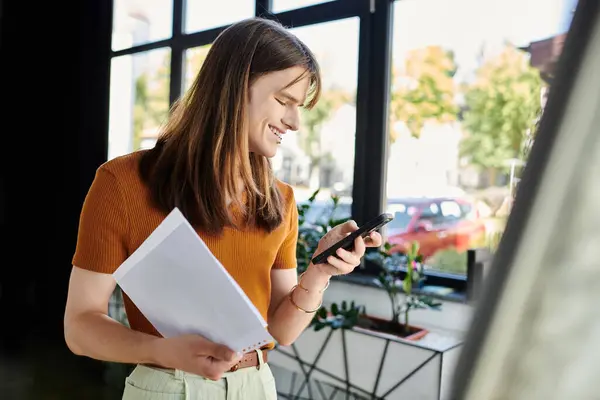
(464, 25)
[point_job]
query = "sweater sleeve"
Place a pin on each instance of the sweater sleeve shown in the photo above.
(103, 226)
(286, 255)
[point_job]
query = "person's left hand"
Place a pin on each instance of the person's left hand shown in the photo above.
(348, 260)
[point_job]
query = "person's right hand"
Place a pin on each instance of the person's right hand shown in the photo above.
(195, 354)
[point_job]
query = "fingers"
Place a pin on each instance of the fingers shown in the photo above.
(374, 240)
(346, 262)
(352, 257)
(220, 352)
(341, 267)
(359, 247)
(348, 227)
(213, 368)
(213, 372)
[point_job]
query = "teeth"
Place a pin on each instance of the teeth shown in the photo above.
(276, 132)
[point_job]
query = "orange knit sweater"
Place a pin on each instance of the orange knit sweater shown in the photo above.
(117, 217)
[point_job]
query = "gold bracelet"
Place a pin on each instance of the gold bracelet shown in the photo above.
(305, 289)
(291, 296)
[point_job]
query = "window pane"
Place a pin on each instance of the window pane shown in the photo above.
(139, 100)
(463, 112)
(285, 5)
(137, 22)
(321, 154)
(194, 58)
(202, 15)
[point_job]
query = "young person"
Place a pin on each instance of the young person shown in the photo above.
(212, 162)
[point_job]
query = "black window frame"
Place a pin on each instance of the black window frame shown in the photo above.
(372, 98)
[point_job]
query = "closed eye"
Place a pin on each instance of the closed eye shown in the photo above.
(280, 102)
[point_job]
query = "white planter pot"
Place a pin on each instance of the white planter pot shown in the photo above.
(366, 364)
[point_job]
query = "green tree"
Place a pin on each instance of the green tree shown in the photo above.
(501, 107)
(424, 90)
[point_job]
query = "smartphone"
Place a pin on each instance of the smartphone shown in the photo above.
(347, 243)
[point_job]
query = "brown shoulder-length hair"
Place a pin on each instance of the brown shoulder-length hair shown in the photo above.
(202, 153)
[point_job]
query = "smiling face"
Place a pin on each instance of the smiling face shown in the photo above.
(274, 108)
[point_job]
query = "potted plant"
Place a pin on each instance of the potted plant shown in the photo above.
(401, 292)
(347, 314)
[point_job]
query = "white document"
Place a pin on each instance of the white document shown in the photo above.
(181, 288)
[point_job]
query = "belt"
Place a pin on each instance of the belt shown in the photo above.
(250, 360)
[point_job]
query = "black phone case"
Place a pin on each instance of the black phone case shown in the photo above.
(347, 243)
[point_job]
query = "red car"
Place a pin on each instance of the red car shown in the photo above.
(435, 223)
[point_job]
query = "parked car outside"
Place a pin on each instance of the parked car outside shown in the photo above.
(444, 223)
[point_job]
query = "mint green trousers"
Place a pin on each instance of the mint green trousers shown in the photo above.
(149, 383)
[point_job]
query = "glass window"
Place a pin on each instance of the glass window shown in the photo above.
(450, 209)
(201, 15)
(194, 58)
(463, 113)
(321, 154)
(136, 22)
(286, 5)
(139, 100)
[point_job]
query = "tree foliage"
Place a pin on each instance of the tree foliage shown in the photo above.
(502, 106)
(424, 90)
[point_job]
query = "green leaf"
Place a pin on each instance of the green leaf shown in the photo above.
(334, 309)
(415, 275)
(407, 285)
(322, 313)
(414, 250)
(312, 198)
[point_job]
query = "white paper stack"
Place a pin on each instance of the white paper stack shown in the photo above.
(181, 288)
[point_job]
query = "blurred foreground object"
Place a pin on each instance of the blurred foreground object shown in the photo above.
(536, 331)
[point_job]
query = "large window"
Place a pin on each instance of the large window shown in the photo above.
(137, 22)
(139, 100)
(286, 5)
(440, 144)
(201, 15)
(321, 154)
(468, 82)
